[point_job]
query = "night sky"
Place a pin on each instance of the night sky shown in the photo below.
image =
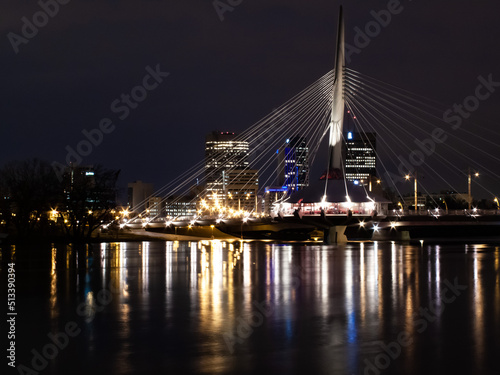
(223, 75)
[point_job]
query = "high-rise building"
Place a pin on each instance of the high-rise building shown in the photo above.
(138, 195)
(293, 164)
(154, 207)
(360, 156)
(180, 207)
(240, 188)
(223, 153)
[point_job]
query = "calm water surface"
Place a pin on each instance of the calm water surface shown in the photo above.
(257, 308)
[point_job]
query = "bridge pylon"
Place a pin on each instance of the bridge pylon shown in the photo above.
(338, 104)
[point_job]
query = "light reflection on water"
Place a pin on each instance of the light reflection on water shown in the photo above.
(330, 307)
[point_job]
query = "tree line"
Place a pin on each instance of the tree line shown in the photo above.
(36, 202)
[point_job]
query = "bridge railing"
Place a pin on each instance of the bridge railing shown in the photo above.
(441, 212)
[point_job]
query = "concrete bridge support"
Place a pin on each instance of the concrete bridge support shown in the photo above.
(334, 235)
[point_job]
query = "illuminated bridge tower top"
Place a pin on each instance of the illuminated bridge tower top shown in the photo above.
(338, 105)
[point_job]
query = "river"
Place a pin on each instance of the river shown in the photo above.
(216, 307)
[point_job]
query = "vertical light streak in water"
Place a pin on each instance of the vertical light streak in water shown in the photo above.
(362, 283)
(269, 271)
(394, 275)
(245, 249)
(193, 263)
(205, 291)
(409, 300)
(169, 249)
(372, 279)
(401, 272)
(317, 275)
(247, 274)
(104, 263)
(69, 253)
(54, 311)
(478, 306)
(122, 281)
(497, 283)
(276, 278)
(229, 278)
(217, 279)
(287, 286)
(348, 280)
(168, 266)
(286, 267)
(324, 279)
(437, 273)
(429, 270)
(275, 270)
(349, 293)
(378, 281)
(145, 268)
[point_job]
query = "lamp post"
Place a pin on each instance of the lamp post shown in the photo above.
(445, 206)
(408, 176)
(469, 180)
(496, 201)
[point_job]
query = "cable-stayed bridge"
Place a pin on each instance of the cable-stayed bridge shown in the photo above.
(416, 140)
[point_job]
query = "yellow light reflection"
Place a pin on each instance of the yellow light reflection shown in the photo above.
(478, 306)
(54, 312)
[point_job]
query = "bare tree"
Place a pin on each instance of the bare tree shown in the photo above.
(28, 189)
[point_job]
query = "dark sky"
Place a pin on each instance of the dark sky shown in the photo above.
(223, 74)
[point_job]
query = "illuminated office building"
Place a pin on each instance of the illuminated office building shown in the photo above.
(293, 164)
(360, 156)
(224, 153)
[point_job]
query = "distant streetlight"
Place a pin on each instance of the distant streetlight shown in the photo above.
(445, 206)
(496, 201)
(469, 180)
(407, 177)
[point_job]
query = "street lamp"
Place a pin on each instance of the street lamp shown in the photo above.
(407, 177)
(469, 179)
(445, 206)
(496, 201)
(399, 204)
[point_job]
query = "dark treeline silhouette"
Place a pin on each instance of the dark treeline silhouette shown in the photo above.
(36, 203)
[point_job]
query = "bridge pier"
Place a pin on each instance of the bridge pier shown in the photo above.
(334, 235)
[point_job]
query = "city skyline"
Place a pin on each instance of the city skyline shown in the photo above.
(56, 94)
